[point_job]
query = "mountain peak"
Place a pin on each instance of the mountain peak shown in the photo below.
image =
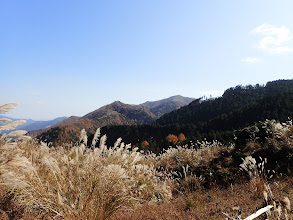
(119, 113)
(117, 103)
(167, 105)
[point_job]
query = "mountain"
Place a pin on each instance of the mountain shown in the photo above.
(232, 104)
(40, 124)
(69, 120)
(167, 105)
(210, 119)
(116, 113)
(213, 119)
(31, 125)
(64, 132)
(120, 113)
(66, 121)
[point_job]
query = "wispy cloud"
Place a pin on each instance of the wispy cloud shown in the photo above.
(251, 60)
(274, 39)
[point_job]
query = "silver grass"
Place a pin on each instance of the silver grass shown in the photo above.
(117, 170)
(65, 159)
(96, 137)
(6, 107)
(102, 145)
(287, 203)
(136, 158)
(76, 154)
(43, 147)
(51, 163)
(117, 143)
(5, 120)
(81, 149)
(59, 199)
(185, 170)
(265, 194)
(128, 146)
(269, 191)
(83, 136)
(81, 180)
(120, 149)
(249, 165)
(20, 162)
(12, 180)
(17, 133)
(3, 137)
(12, 125)
(279, 211)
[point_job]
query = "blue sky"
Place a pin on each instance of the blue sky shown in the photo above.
(63, 58)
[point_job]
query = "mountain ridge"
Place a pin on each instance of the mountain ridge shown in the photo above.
(115, 113)
(202, 119)
(167, 105)
(213, 119)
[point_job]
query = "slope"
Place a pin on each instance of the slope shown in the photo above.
(167, 105)
(114, 114)
(214, 118)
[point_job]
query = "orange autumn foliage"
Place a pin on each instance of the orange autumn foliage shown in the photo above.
(145, 143)
(172, 138)
(181, 137)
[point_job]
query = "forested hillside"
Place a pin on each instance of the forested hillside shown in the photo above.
(234, 100)
(213, 119)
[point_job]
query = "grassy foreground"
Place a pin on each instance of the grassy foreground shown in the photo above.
(197, 181)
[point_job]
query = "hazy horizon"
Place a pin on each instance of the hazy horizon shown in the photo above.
(71, 57)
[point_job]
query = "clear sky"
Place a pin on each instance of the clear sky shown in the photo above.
(63, 58)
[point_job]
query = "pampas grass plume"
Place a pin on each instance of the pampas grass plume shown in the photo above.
(7, 107)
(96, 137)
(17, 133)
(83, 137)
(12, 125)
(5, 120)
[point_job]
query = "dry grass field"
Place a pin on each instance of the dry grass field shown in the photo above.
(197, 181)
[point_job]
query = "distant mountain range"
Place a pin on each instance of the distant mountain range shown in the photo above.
(116, 113)
(31, 125)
